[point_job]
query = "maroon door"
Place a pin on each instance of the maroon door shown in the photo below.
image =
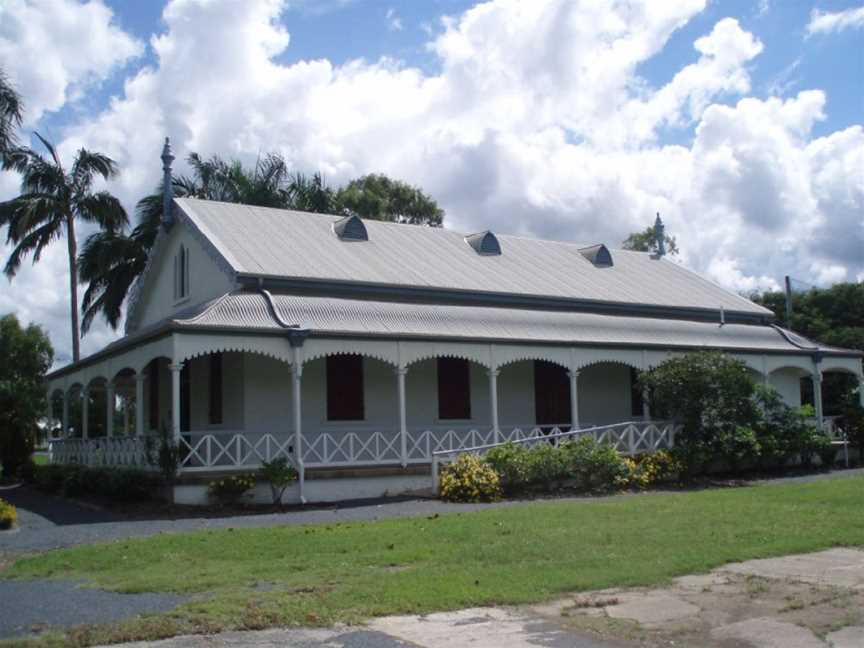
(551, 393)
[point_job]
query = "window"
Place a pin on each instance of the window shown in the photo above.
(454, 389)
(215, 389)
(345, 388)
(181, 274)
(551, 394)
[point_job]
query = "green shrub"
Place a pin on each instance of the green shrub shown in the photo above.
(736, 445)
(130, 485)
(546, 466)
(27, 471)
(470, 479)
(8, 515)
(121, 484)
(280, 475)
(510, 461)
(49, 478)
(827, 452)
(580, 465)
(606, 470)
(229, 490)
(711, 395)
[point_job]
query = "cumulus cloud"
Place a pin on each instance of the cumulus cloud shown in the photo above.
(54, 50)
(536, 122)
(826, 22)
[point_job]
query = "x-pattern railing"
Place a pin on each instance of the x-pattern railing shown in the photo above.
(232, 450)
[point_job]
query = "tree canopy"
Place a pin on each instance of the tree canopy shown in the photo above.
(25, 357)
(378, 197)
(833, 316)
(646, 241)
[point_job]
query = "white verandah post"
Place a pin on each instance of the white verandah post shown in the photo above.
(296, 374)
(65, 434)
(175, 368)
(493, 398)
(574, 399)
(109, 408)
(817, 396)
(861, 389)
(85, 412)
(139, 404)
(401, 372)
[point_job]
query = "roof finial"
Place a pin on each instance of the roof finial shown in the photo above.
(167, 186)
(660, 236)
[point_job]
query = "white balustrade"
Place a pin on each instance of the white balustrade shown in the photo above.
(100, 452)
(354, 446)
(231, 450)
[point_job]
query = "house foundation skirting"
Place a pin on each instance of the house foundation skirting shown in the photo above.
(324, 490)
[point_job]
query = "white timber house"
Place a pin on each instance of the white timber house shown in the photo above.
(357, 349)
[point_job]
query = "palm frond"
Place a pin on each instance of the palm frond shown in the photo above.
(102, 208)
(33, 243)
(11, 113)
(88, 164)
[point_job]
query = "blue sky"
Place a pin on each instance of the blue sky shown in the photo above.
(740, 121)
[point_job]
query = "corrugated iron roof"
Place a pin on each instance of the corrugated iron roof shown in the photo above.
(251, 311)
(298, 245)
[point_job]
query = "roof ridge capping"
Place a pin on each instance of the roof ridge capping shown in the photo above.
(485, 243)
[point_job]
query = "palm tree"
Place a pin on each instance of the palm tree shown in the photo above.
(10, 113)
(50, 202)
(311, 194)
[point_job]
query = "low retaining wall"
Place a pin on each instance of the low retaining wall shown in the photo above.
(326, 489)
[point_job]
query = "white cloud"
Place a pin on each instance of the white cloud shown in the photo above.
(394, 22)
(54, 50)
(537, 123)
(826, 22)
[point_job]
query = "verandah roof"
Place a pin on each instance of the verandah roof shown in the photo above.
(253, 311)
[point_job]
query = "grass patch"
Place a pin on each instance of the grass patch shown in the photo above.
(255, 578)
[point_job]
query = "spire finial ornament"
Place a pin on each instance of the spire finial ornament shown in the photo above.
(167, 186)
(660, 236)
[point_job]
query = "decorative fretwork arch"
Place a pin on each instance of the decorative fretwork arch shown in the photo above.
(196, 346)
(508, 355)
(583, 358)
(412, 353)
(380, 350)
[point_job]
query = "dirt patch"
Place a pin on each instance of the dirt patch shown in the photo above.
(814, 600)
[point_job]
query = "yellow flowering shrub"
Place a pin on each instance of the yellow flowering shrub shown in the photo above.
(8, 515)
(230, 489)
(470, 479)
(655, 468)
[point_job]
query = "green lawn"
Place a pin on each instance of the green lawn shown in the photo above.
(253, 578)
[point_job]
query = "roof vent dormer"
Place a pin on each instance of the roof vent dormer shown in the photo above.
(485, 243)
(350, 228)
(598, 254)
